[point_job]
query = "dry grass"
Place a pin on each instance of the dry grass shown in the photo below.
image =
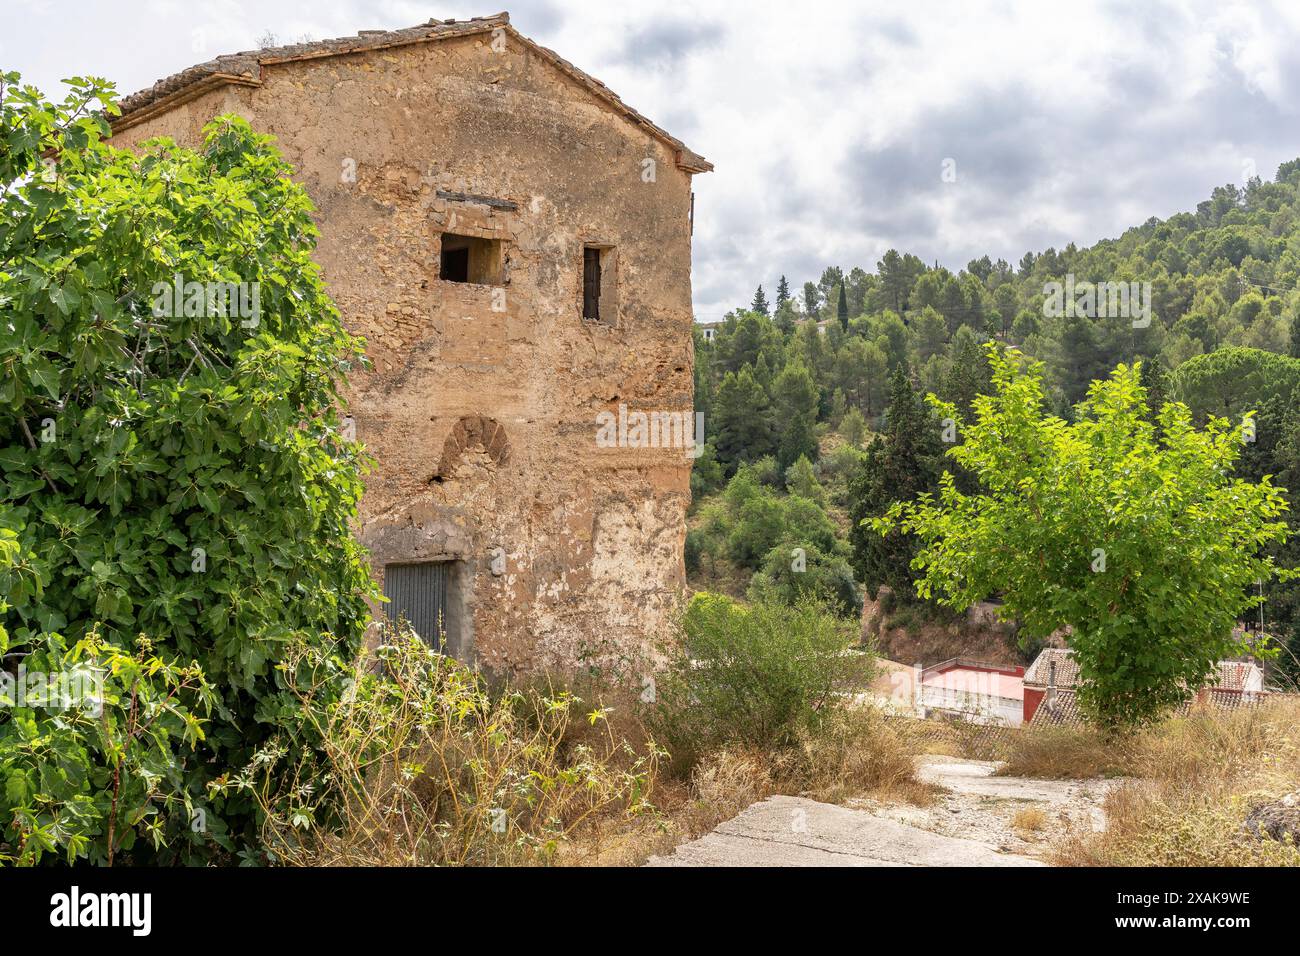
(958, 738)
(1029, 822)
(1065, 753)
(854, 753)
(857, 752)
(425, 765)
(719, 787)
(1194, 779)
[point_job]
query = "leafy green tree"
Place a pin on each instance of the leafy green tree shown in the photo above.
(1143, 547)
(1294, 349)
(842, 309)
(782, 292)
(759, 304)
(793, 575)
(174, 469)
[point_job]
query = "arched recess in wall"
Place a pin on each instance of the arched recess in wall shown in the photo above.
(469, 431)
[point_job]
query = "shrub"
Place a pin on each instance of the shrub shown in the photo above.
(90, 775)
(853, 427)
(1029, 821)
(696, 543)
(758, 525)
(793, 573)
(801, 480)
(421, 765)
(174, 469)
(754, 676)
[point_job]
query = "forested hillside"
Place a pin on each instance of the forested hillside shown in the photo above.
(813, 398)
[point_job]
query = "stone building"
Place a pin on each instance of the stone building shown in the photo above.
(514, 242)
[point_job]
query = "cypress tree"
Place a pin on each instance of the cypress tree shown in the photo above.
(900, 464)
(1153, 379)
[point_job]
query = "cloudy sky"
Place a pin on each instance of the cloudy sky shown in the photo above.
(831, 124)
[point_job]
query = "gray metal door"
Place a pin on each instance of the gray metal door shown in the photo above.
(418, 594)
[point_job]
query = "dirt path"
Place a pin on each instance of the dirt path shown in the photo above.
(1012, 814)
(978, 819)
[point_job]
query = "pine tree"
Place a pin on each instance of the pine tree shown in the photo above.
(853, 427)
(893, 279)
(782, 293)
(901, 463)
(801, 480)
(795, 401)
(742, 419)
(784, 318)
(759, 304)
(969, 376)
(843, 309)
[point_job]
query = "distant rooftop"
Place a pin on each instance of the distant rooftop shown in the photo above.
(1228, 675)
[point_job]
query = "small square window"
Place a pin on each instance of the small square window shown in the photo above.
(470, 259)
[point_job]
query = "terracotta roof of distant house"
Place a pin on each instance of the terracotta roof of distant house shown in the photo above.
(1040, 671)
(1064, 711)
(1060, 710)
(1228, 675)
(246, 69)
(1235, 675)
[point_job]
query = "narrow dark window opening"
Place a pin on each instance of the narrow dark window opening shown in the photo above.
(591, 283)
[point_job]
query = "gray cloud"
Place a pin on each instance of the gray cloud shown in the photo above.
(664, 43)
(828, 127)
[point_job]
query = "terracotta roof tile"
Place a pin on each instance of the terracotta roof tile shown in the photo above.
(1063, 710)
(1067, 669)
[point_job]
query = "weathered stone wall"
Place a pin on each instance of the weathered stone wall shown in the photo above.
(481, 412)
